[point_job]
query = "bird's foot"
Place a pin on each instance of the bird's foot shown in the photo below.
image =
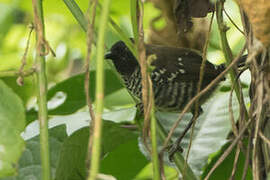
(173, 148)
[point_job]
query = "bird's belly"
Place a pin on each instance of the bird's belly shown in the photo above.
(173, 96)
(170, 96)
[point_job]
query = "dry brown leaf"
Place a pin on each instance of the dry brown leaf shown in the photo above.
(170, 34)
(258, 12)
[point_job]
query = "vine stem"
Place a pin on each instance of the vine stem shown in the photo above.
(90, 36)
(15, 73)
(228, 53)
(95, 152)
(41, 47)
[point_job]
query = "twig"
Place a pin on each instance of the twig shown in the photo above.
(245, 170)
(242, 32)
(177, 157)
(24, 73)
(143, 65)
(96, 146)
(147, 94)
(228, 150)
(267, 141)
(234, 128)
(199, 85)
(236, 159)
(42, 89)
(227, 51)
(259, 109)
(155, 158)
(90, 36)
(20, 78)
(190, 103)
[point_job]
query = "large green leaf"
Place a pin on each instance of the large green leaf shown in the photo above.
(73, 90)
(125, 161)
(70, 93)
(26, 91)
(211, 130)
(73, 154)
(224, 170)
(12, 122)
(30, 163)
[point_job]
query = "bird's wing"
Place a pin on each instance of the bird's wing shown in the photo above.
(180, 63)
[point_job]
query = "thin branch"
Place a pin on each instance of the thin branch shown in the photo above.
(265, 139)
(42, 88)
(236, 159)
(20, 78)
(178, 159)
(24, 73)
(234, 128)
(147, 93)
(227, 51)
(242, 32)
(90, 36)
(155, 158)
(200, 82)
(143, 65)
(228, 150)
(246, 165)
(259, 110)
(96, 146)
(199, 85)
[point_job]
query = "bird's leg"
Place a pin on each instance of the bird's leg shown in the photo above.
(176, 146)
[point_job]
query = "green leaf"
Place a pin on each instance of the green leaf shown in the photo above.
(71, 92)
(211, 129)
(121, 115)
(26, 91)
(73, 88)
(73, 153)
(147, 173)
(30, 164)
(12, 123)
(224, 170)
(125, 161)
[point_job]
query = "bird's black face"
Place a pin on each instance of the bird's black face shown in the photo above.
(122, 58)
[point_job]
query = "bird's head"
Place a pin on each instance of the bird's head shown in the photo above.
(123, 59)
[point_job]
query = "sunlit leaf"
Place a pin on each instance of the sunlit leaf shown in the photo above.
(73, 153)
(30, 163)
(12, 123)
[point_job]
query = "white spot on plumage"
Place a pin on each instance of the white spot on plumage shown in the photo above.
(180, 59)
(182, 71)
(173, 76)
(156, 73)
(162, 71)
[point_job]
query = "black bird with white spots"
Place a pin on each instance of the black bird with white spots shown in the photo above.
(175, 74)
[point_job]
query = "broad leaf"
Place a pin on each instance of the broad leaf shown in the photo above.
(68, 96)
(211, 129)
(224, 170)
(73, 154)
(30, 163)
(12, 123)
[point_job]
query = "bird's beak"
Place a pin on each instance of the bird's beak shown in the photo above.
(108, 55)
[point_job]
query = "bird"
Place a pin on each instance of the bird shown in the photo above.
(175, 75)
